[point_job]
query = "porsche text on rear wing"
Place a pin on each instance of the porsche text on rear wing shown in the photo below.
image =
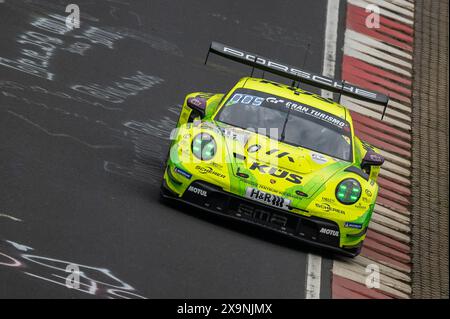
(297, 74)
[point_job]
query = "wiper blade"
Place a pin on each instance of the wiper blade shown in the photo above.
(283, 132)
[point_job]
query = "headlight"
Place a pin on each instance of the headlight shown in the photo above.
(348, 191)
(204, 146)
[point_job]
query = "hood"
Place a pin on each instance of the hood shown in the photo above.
(257, 159)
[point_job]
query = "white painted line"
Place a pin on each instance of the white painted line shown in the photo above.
(314, 262)
(390, 223)
(392, 104)
(11, 217)
(342, 271)
(396, 159)
(358, 273)
(385, 220)
(393, 215)
(386, 270)
(331, 31)
(377, 62)
(396, 169)
(394, 172)
(20, 247)
(378, 108)
(313, 275)
(404, 211)
(390, 233)
(383, 12)
(392, 176)
(392, 7)
(358, 46)
(362, 38)
(348, 103)
(400, 106)
(403, 3)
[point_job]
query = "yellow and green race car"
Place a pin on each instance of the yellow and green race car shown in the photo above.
(277, 156)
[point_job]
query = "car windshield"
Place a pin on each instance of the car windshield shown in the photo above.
(294, 123)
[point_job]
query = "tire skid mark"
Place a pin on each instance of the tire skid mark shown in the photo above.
(149, 141)
(64, 135)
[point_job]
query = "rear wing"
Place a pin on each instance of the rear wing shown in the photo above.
(296, 74)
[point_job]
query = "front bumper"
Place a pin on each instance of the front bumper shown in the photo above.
(306, 229)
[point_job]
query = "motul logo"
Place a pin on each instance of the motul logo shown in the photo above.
(329, 232)
(198, 191)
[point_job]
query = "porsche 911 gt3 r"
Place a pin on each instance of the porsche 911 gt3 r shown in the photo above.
(277, 156)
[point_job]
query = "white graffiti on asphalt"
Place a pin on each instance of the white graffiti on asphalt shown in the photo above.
(10, 85)
(95, 281)
(40, 48)
(120, 90)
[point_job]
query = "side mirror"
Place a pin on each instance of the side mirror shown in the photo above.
(371, 159)
(198, 106)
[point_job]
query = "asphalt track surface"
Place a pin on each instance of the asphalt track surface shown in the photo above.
(80, 171)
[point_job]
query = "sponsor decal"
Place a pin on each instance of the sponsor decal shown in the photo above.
(274, 100)
(208, 126)
(328, 200)
(217, 165)
(318, 79)
(199, 102)
(329, 232)
(198, 191)
(279, 154)
(318, 158)
(235, 135)
(346, 138)
(327, 208)
(208, 170)
(182, 173)
(309, 111)
(301, 194)
(368, 193)
(276, 172)
(359, 206)
(267, 198)
(206, 96)
(262, 216)
(375, 157)
(246, 99)
(269, 189)
(254, 148)
(353, 225)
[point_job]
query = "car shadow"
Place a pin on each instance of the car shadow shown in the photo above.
(247, 229)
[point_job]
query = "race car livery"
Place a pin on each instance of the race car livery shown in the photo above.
(276, 156)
